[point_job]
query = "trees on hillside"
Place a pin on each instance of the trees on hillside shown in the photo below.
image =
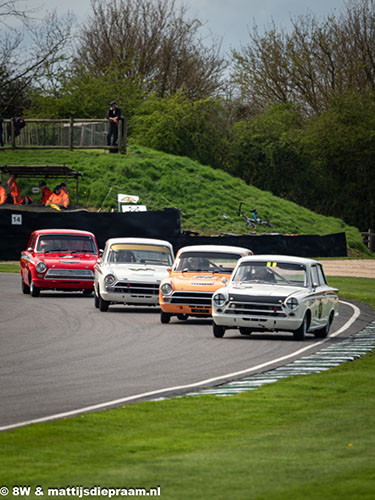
(311, 64)
(29, 55)
(150, 42)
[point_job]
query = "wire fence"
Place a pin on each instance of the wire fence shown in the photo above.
(63, 134)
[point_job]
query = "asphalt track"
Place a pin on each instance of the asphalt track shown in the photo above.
(59, 356)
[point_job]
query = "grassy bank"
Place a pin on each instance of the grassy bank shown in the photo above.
(304, 437)
(208, 198)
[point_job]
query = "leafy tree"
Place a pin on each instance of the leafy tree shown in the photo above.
(313, 63)
(183, 127)
(152, 44)
(341, 143)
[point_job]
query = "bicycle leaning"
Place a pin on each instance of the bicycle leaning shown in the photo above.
(253, 221)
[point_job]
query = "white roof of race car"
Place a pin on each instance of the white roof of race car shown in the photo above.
(214, 248)
(138, 241)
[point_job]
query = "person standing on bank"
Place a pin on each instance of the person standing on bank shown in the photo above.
(113, 115)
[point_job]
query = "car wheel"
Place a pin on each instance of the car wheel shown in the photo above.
(323, 332)
(34, 290)
(245, 331)
(300, 333)
(87, 292)
(96, 300)
(165, 317)
(182, 317)
(103, 305)
(218, 331)
(25, 288)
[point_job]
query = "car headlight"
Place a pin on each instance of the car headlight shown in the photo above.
(109, 279)
(40, 267)
(219, 299)
(166, 288)
(292, 303)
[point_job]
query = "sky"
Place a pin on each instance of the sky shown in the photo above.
(228, 20)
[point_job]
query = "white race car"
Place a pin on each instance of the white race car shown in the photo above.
(275, 293)
(130, 271)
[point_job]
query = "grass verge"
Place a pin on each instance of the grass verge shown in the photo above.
(304, 437)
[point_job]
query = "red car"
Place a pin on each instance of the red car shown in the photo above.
(59, 259)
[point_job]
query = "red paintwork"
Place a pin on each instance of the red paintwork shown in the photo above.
(59, 261)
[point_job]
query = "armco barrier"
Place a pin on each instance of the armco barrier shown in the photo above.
(16, 225)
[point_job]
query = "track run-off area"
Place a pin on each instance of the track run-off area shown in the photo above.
(59, 356)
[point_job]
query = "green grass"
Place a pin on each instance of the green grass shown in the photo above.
(305, 437)
(362, 289)
(308, 437)
(204, 195)
(6, 267)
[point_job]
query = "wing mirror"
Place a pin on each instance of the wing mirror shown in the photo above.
(224, 280)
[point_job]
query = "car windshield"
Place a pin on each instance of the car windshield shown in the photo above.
(121, 253)
(66, 243)
(280, 273)
(213, 262)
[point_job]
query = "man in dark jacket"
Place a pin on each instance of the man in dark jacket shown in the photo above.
(113, 115)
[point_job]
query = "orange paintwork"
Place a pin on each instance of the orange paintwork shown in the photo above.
(192, 290)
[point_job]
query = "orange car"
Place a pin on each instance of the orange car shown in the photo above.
(197, 272)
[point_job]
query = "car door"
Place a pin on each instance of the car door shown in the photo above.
(317, 316)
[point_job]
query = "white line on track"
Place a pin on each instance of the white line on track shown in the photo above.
(159, 392)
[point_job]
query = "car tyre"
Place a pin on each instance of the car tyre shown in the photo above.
(218, 331)
(245, 330)
(25, 288)
(87, 292)
(34, 290)
(300, 333)
(96, 300)
(182, 317)
(165, 317)
(323, 332)
(103, 305)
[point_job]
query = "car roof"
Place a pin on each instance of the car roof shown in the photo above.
(214, 248)
(62, 231)
(279, 258)
(139, 241)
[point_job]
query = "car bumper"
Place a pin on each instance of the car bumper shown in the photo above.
(257, 323)
(64, 284)
(129, 298)
(191, 310)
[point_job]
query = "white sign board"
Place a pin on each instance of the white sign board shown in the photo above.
(127, 198)
(134, 208)
(16, 219)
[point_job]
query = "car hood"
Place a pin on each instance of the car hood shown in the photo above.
(136, 272)
(198, 281)
(264, 290)
(68, 261)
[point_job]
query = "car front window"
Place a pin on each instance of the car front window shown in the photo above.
(279, 273)
(65, 243)
(214, 262)
(121, 253)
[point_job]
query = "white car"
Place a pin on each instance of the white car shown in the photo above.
(275, 293)
(130, 271)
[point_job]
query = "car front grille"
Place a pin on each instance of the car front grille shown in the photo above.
(136, 288)
(69, 274)
(255, 306)
(192, 298)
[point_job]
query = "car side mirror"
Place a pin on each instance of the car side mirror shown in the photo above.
(101, 251)
(224, 280)
(169, 269)
(30, 249)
